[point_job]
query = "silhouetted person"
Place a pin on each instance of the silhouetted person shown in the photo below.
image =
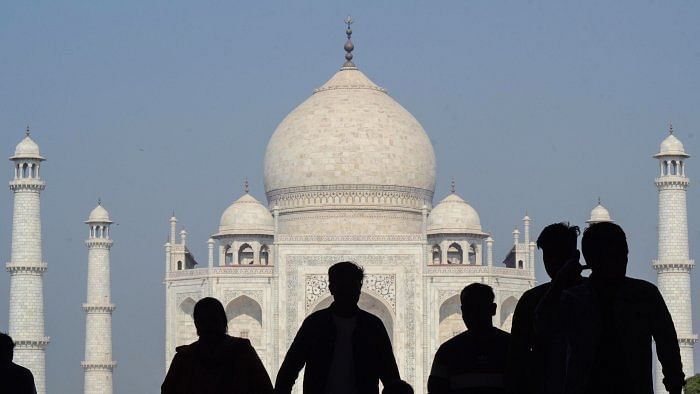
(473, 361)
(611, 321)
(536, 362)
(217, 363)
(14, 379)
(398, 387)
(345, 349)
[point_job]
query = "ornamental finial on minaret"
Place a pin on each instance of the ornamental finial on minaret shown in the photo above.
(349, 46)
(452, 185)
(670, 128)
(245, 186)
(26, 131)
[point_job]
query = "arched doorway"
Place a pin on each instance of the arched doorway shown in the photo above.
(450, 323)
(245, 320)
(506, 315)
(186, 331)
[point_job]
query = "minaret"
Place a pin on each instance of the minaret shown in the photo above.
(26, 267)
(98, 364)
(673, 264)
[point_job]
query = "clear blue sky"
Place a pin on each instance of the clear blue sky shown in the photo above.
(156, 106)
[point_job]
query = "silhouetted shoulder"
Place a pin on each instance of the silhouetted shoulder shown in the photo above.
(370, 319)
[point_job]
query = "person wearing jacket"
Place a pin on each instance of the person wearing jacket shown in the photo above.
(216, 363)
(610, 321)
(345, 350)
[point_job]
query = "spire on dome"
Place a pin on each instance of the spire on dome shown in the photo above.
(245, 186)
(670, 128)
(349, 46)
(26, 131)
(452, 185)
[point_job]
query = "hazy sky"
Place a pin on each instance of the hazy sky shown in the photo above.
(538, 106)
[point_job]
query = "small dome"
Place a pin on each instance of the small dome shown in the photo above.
(246, 216)
(453, 215)
(99, 215)
(671, 146)
(599, 214)
(27, 149)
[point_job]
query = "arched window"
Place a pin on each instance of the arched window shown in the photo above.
(520, 264)
(674, 167)
(472, 254)
(228, 256)
(264, 255)
(245, 255)
(454, 254)
(179, 265)
(437, 255)
(25, 170)
(665, 167)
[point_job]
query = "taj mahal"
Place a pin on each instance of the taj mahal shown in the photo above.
(349, 174)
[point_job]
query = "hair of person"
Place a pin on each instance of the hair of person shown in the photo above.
(555, 234)
(607, 237)
(209, 309)
(478, 292)
(346, 269)
(6, 343)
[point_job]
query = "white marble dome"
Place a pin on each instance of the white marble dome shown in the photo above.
(599, 214)
(27, 149)
(246, 216)
(453, 216)
(99, 215)
(671, 146)
(349, 132)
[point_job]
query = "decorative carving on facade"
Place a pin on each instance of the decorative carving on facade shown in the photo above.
(194, 295)
(350, 238)
(350, 196)
(227, 271)
(380, 285)
(256, 295)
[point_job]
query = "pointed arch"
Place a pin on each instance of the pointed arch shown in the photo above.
(186, 331)
(228, 255)
(506, 315)
(245, 319)
(450, 319)
(437, 254)
(245, 255)
(454, 254)
(264, 255)
(471, 257)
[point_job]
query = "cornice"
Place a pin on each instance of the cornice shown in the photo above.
(37, 268)
(27, 184)
(99, 308)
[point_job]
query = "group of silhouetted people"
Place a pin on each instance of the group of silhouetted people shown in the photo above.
(571, 335)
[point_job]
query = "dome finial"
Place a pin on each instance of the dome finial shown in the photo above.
(245, 186)
(599, 200)
(452, 185)
(99, 201)
(670, 128)
(26, 131)
(349, 46)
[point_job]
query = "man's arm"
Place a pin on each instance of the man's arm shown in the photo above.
(388, 370)
(439, 379)
(258, 377)
(667, 349)
(519, 362)
(293, 362)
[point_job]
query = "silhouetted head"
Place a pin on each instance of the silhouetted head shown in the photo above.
(345, 283)
(478, 307)
(7, 346)
(604, 246)
(558, 244)
(398, 387)
(210, 318)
